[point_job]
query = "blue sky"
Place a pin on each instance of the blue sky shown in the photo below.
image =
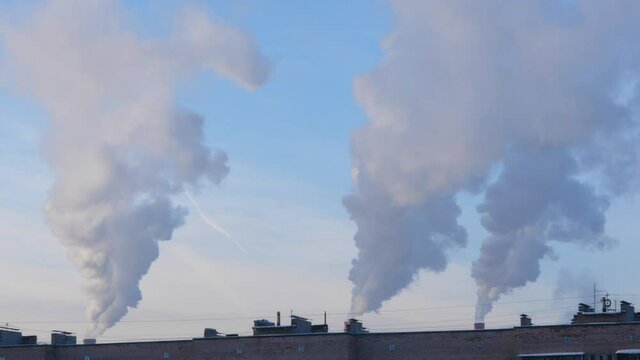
(288, 144)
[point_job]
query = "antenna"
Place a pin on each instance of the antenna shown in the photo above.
(604, 300)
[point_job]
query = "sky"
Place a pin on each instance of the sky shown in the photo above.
(289, 146)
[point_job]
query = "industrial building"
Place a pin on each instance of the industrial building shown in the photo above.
(299, 325)
(607, 335)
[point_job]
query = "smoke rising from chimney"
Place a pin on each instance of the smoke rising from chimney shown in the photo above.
(531, 103)
(119, 146)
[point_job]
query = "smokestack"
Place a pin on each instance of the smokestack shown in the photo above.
(478, 326)
(354, 326)
(525, 320)
(278, 321)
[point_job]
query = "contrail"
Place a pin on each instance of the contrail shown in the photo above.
(212, 223)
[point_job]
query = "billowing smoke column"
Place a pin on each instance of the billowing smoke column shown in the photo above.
(530, 102)
(119, 147)
(536, 199)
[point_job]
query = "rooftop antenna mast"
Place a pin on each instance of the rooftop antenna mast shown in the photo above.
(604, 300)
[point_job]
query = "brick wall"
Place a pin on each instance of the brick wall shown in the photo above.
(42, 352)
(597, 339)
(177, 350)
(476, 345)
(309, 347)
(592, 338)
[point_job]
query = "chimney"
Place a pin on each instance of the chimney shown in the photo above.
(629, 310)
(478, 326)
(211, 333)
(278, 321)
(62, 338)
(625, 305)
(89, 341)
(354, 326)
(525, 320)
(584, 308)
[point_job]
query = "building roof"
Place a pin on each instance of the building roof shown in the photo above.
(629, 351)
(551, 354)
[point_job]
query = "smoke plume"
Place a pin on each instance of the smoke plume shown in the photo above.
(119, 146)
(575, 285)
(535, 200)
(531, 103)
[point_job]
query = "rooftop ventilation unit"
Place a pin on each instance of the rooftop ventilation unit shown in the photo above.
(59, 337)
(525, 320)
(584, 308)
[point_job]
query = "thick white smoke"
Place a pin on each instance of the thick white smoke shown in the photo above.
(536, 199)
(538, 90)
(119, 146)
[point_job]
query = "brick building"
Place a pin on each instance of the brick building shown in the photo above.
(616, 336)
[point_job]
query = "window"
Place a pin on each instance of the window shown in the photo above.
(165, 355)
(301, 348)
(239, 350)
(2, 358)
(567, 339)
(479, 344)
(87, 357)
(392, 347)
